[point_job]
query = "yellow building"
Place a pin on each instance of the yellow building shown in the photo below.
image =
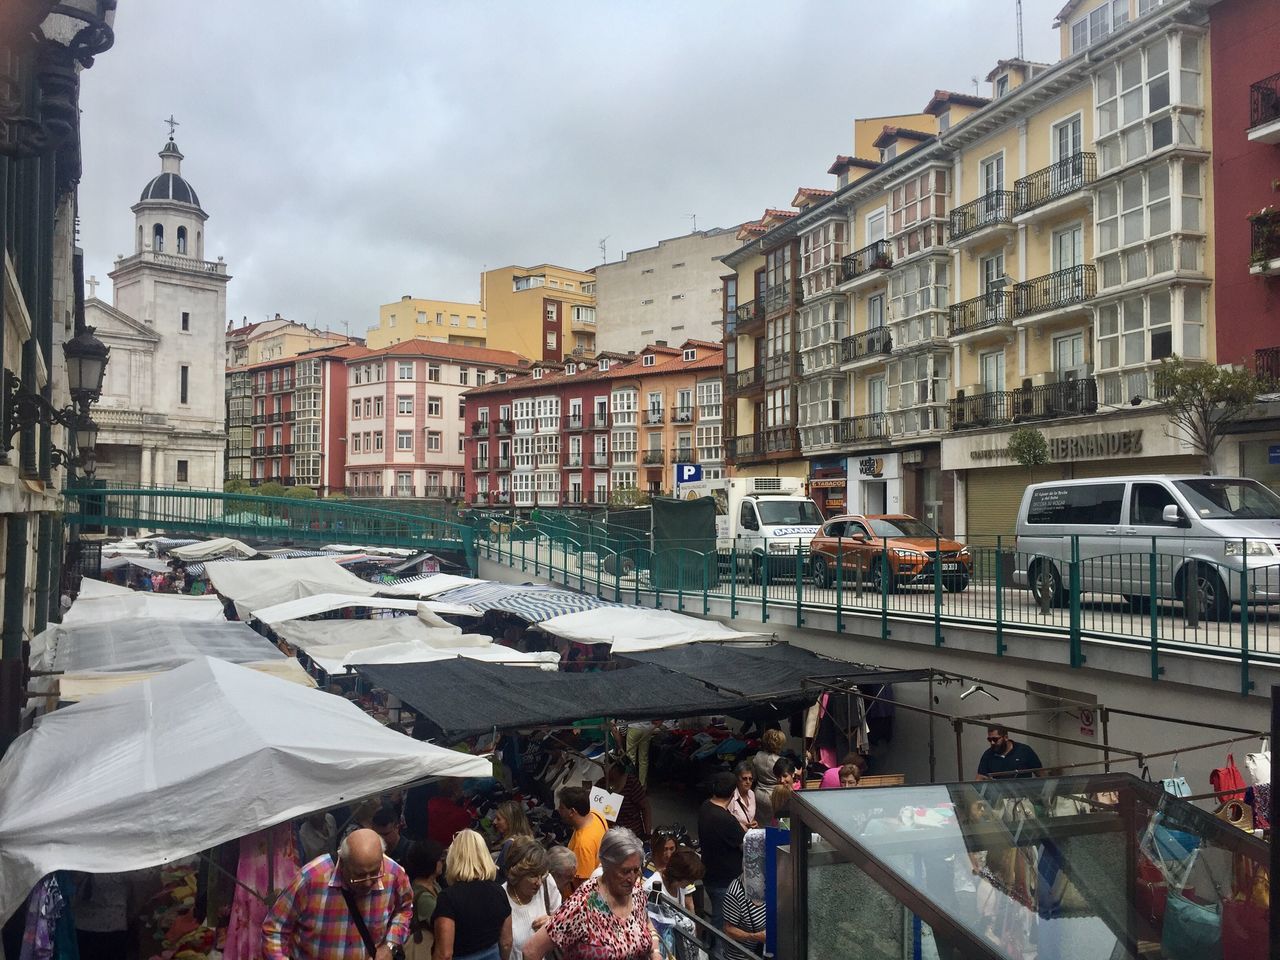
(444, 321)
(542, 313)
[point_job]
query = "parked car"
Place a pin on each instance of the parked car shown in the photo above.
(1200, 529)
(896, 546)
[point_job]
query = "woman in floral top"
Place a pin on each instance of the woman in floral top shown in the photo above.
(606, 918)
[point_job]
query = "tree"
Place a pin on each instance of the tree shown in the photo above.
(338, 495)
(628, 497)
(1028, 447)
(1203, 401)
(300, 493)
(235, 485)
(270, 489)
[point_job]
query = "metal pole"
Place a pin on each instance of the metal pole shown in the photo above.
(959, 728)
(1274, 877)
(933, 756)
(1105, 716)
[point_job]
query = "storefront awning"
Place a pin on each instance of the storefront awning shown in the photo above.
(640, 629)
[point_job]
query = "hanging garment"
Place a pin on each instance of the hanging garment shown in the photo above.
(50, 930)
(1257, 766)
(1227, 781)
(244, 931)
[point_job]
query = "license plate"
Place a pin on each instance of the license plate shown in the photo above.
(950, 567)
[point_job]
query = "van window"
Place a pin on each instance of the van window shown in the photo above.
(1214, 498)
(747, 518)
(1086, 503)
(1147, 503)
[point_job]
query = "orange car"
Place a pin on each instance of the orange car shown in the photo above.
(864, 544)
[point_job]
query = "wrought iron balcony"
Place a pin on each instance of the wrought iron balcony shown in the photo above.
(479, 463)
(876, 342)
(573, 422)
(599, 421)
(684, 455)
(875, 256)
(573, 461)
(652, 457)
(287, 449)
(653, 415)
(1061, 179)
(276, 416)
(599, 459)
(404, 493)
(743, 447)
(993, 309)
(781, 440)
(1044, 402)
(988, 210)
(682, 414)
(1264, 242)
(275, 449)
(257, 451)
(1266, 363)
(749, 379)
(505, 427)
(289, 416)
(502, 463)
(748, 314)
(869, 426)
(259, 418)
(1264, 101)
(480, 428)
(1054, 291)
(363, 491)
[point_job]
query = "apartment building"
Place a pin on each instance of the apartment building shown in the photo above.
(1022, 259)
(575, 434)
(446, 321)
(668, 292)
(541, 313)
(405, 416)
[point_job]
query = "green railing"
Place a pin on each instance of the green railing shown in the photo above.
(248, 516)
(1163, 595)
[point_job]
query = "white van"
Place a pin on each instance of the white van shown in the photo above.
(772, 511)
(1202, 526)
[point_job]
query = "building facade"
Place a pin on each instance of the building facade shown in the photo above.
(406, 417)
(588, 434)
(162, 416)
(667, 293)
(446, 321)
(542, 313)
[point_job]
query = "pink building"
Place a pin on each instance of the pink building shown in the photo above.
(404, 416)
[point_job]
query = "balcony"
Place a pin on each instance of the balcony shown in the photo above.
(750, 379)
(682, 414)
(287, 449)
(404, 493)
(781, 440)
(1055, 292)
(505, 427)
(599, 459)
(684, 455)
(866, 347)
(259, 418)
(1060, 184)
(1266, 363)
(276, 417)
(599, 421)
(1047, 401)
(443, 493)
(573, 461)
(600, 498)
(500, 498)
(480, 428)
(257, 451)
(750, 317)
(991, 311)
(275, 449)
(479, 463)
(574, 422)
(989, 214)
(870, 426)
(743, 448)
(654, 458)
(1264, 110)
(363, 491)
(653, 416)
(502, 463)
(780, 297)
(863, 265)
(1264, 244)
(289, 416)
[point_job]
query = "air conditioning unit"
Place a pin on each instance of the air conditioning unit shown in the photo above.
(1041, 380)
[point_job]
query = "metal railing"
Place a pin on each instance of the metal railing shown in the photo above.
(1264, 239)
(1053, 291)
(1060, 179)
(1046, 401)
(502, 463)
(877, 341)
(599, 459)
(504, 427)
(1157, 595)
(869, 426)
(653, 415)
(480, 428)
(684, 455)
(749, 378)
(574, 422)
(874, 256)
(682, 414)
(1264, 101)
(989, 209)
(1266, 363)
(479, 463)
(652, 457)
(748, 314)
(599, 421)
(993, 309)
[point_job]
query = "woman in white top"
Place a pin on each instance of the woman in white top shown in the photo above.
(743, 802)
(677, 880)
(530, 890)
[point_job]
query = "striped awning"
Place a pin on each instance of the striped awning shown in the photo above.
(545, 604)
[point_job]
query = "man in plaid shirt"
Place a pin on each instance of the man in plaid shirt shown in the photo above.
(310, 920)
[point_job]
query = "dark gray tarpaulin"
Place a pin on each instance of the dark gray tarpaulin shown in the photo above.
(465, 697)
(775, 670)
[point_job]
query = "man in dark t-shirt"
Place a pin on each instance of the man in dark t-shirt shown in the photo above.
(1006, 758)
(720, 839)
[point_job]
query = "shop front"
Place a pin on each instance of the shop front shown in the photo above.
(828, 485)
(875, 483)
(989, 483)
(907, 480)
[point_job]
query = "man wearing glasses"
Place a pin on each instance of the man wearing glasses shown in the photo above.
(1005, 758)
(311, 920)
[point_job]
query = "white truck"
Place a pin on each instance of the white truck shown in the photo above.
(755, 514)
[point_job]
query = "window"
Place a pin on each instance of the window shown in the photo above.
(991, 367)
(1097, 24)
(875, 311)
(603, 365)
(1068, 355)
(553, 338)
(157, 238)
(1135, 217)
(435, 407)
(433, 441)
(464, 375)
(1085, 503)
(404, 439)
(991, 174)
(433, 373)
(404, 370)
(480, 378)
(648, 360)
(709, 393)
(184, 383)
(355, 443)
(368, 407)
(877, 226)
(537, 373)
(422, 316)
(1138, 109)
(944, 121)
(182, 471)
(377, 440)
(186, 322)
(404, 406)
(1002, 85)
(584, 314)
(690, 354)
(392, 320)
(377, 406)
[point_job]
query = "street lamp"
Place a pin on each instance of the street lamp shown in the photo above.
(86, 366)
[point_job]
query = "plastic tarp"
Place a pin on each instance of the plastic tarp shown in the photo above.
(186, 761)
(684, 544)
(418, 653)
(327, 602)
(771, 670)
(430, 585)
(218, 547)
(91, 589)
(254, 584)
(140, 605)
(465, 697)
(640, 629)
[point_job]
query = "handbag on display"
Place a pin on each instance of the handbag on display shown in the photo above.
(1237, 813)
(1227, 781)
(1257, 766)
(1192, 931)
(1177, 784)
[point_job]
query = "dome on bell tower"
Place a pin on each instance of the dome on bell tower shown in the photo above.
(169, 186)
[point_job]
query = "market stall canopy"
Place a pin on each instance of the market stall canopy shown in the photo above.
(640, 629)
(98, 607)
(218, 547)
(255, 584)
(185, 761)
(91, 589)
(327, 602)
(460, 698)
(429, 585)
(772, 670)
(532, 602)
(411, 652)
(142, 563)
(308, 634)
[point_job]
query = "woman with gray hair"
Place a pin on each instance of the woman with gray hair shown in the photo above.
(606, 918)
(563, 866)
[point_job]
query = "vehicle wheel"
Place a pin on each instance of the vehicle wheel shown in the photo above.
(878, 578)
(1138, 603)
(1057, 596)
(956, 584)
(757, 570)
(822, 571)
(1215, 601)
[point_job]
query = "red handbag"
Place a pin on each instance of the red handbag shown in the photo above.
(1152, 893)
(1245, 929)
(1227, 781)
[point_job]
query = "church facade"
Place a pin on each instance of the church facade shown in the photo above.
(162, 414)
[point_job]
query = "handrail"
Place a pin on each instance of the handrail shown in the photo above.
(991, 208)
(1264, 101)
(1059, 179)
(872, 257)
(992, 309)
(878, 341)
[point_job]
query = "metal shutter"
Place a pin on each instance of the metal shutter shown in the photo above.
(993, 497)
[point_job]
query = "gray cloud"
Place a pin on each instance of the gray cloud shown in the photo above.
(349, 153)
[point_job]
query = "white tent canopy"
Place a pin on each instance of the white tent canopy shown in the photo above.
(96, 605)
(255, 584)
(639, 629)
(326, 602)
(428, 586)
(426, 628)
(91, 589)
(217, 547)
(182, 762)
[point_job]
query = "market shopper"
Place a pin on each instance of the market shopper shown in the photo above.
(311, 919)
(662, 844)
(509, 821)
(744, 918)
(785, 773)
(445, 813)
(640, 735)
(588, 830)
(317, 836)
(473, 916)
(563, 864)
(743, 804)
(530, 890)
(771, 743)
(684, 869)
(424, 866)
(635, 813)
(834, 776)
(1006, 758)
(386, 824)
(720, 837)
(606, 918)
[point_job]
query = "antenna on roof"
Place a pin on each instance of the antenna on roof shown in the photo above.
(694, 218)
(1019, 6)
(604, 256)
(974, 80)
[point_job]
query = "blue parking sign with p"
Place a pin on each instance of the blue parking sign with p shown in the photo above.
(688, 473)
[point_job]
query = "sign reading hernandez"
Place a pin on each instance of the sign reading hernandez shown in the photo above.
(1092, 446)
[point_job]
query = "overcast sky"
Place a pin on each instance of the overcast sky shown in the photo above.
(350, 153)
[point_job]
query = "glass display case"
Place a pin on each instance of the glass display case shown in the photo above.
(1099, 867)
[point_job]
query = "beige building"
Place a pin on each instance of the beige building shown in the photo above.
(667, 293)
(541, 313)
(444, 321)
